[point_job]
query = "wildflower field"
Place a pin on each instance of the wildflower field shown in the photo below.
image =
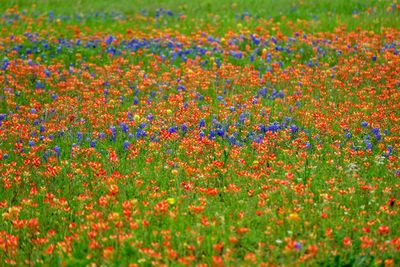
(200, 133)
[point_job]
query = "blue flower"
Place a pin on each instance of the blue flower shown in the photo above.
(57, 150)
(368, 145)
(294, 129)
(364, 124)
(375, 130)
(184, 128)
(232, 140)
(221, 132)
(211, 135)
(202, 123)
(263, 92)
(172, 129)
(79, 136)
(390, 150)
(308, 145)
(93, 143)
(124, 127)
(126, 144)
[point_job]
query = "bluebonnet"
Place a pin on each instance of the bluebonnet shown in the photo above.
(263, 128)
(172, 129)
(31, 143)
(211, 135)
(181, 88)
(377, 133)
(232, 139)
(242, 117)
(140, 133)
(114, 133)
(57, 150)
(274, 127)
(308, 145)
(184, 127)
(126, 144)
(93, 143)
(79, 137)
(221, 132)
(201, 135)
(375, 130)
(390, 149)
(263, 92)
(294, 129)
(47, 72)
(368, 145)
(202, 123)
(124, 127)
(364, 124)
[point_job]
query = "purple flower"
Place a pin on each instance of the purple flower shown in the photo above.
(298, 245)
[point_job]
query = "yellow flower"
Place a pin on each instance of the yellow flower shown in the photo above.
(171, 200)
(293, 217)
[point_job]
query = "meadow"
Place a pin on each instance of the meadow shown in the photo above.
(199, 133)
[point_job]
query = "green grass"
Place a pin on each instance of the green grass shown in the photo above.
(323, 15)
